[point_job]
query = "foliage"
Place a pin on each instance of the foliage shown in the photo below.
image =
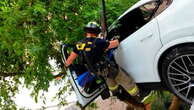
(117, 7)
(29, 32)
(92, 106)
(163, 99)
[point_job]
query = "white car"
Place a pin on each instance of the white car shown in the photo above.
(192, 107)
(156, 48)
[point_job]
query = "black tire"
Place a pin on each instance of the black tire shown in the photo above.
(178, 72)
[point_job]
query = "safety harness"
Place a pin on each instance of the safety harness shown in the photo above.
(103, 68)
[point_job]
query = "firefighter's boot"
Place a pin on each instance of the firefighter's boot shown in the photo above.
(127, 82)
(112, 86)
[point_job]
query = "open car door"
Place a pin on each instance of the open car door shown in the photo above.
(88, 91)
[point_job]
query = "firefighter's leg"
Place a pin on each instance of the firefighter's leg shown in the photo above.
(127, 83)
(112, 85)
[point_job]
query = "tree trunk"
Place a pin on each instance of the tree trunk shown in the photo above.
(175, 104)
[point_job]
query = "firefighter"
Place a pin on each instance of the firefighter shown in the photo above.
(93, 49)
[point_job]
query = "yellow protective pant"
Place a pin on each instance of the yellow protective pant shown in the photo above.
(125, 81)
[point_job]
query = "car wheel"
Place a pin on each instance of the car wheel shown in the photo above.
(178, 72)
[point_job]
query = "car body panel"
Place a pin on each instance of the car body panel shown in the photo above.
(176, 26)
(176, 21)
(171, 29)
(136, 53)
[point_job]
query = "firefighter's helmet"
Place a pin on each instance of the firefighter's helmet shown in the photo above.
(92, 27)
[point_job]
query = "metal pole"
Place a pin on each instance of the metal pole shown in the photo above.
(103, 19)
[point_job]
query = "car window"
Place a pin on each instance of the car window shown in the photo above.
(134, 20)
(137, 18)
(163, 5)
(148, 10)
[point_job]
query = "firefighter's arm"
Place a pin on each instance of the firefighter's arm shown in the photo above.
(113, 44)
(70, 59)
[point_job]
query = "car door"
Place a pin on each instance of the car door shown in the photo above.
(90, 90)
(139, 42)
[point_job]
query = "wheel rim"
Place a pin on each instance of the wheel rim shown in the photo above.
(180, 75)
